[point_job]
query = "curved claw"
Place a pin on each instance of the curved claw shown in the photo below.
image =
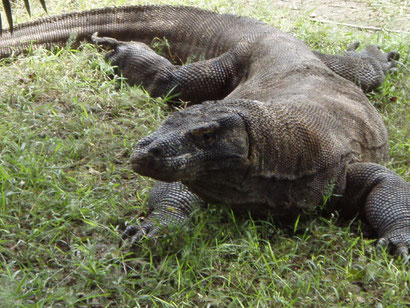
(147, 229)
(150, 234)
(105, 41)
(403, 251)
(382, 244)
(400, 248)
(392, 56)
(130, 231)
(353, 46)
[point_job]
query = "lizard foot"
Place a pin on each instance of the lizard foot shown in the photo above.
(147, 229)
(120, 51)
(110, 43)
(104, 41)
(399, 240)
(138, 63)
(387, 60)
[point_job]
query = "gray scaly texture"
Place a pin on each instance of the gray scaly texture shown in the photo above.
(168, 204)
(281, 124)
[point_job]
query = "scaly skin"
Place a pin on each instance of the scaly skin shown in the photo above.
(282, 123)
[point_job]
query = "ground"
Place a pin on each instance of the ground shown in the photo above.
(362, 13)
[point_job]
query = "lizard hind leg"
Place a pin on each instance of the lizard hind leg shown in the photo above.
(367, 68)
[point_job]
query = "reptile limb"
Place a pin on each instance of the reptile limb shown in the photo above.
(208, 79)
(217, 77)
(169, 204)
(385, 201)
(367, 69)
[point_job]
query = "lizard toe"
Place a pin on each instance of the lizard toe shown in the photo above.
(147, 229)
(104, 41)
(149, 232)
(393, 55)
(392, 58)
(399, 242)
(111, 44)
(353, 46)
(402, 250)
(382, 244)
(130, 231)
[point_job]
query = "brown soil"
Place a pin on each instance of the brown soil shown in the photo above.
(388, 14)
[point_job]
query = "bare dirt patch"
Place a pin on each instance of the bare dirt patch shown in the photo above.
(386, 14)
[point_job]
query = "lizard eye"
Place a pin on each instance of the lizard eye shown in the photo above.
(204, 138)
(205, 133)
(207, 136)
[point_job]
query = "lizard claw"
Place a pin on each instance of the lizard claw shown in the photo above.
(400, 245)
(353, 46)
(382, 63)
(147, 229)
(386, 60)
(135, 60)
(392, 55)
(382, 244)
(403, 251)
(105, 41)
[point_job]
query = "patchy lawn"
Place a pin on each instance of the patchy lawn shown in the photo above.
(66, 189)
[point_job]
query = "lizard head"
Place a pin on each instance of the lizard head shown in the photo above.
(194, 143)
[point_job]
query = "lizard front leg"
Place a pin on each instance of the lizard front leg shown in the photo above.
(386, 200)
(204, 80)
(169, 204)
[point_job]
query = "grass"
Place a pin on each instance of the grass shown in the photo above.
(66, 191)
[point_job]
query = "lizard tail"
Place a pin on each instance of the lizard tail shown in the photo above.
(189, 30)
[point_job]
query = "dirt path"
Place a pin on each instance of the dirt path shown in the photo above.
(388, 14)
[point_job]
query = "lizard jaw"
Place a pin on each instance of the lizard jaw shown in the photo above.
(163, 168)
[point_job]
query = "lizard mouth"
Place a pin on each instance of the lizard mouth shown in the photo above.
(166, 169)
(185, 167)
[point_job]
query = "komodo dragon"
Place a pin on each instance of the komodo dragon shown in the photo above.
(279, 124)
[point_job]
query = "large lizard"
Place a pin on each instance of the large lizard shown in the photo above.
(281, 124)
